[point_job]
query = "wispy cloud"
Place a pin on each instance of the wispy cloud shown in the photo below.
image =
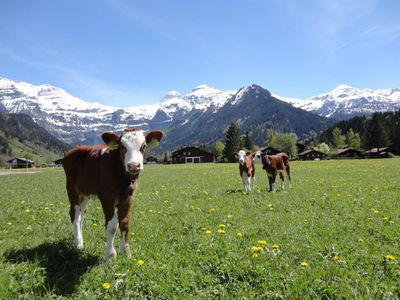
(83, 85)
(140, 16)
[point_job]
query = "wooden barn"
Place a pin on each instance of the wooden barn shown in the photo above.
(270, 151)
(377, 152)
(19, 162)
(151, 160)
(348, 153)
(58, 162)
(311, 155)
(190, 155)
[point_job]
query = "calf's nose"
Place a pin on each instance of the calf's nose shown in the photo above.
(134, 166)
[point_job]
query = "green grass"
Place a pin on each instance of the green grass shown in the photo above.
(340, 217)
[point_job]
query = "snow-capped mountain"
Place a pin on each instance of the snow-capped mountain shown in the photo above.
(345, 102)
(73, 120)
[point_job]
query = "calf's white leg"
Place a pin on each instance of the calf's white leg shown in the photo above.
(77, 227)
(112, 227)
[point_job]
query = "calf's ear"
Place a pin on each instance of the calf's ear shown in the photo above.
(111, 139)
(153, 138)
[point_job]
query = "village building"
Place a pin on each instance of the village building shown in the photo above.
(270, 151)
(348, 153)
(190, 155)
(58, 162)
(19, 162)
(377, 152)
(311, 155)
(151, 160)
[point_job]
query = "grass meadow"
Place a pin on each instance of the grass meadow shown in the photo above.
(335, 234)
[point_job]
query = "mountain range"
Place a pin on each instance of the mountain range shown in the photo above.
(199, 117)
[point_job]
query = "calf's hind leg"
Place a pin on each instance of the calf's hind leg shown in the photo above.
(76, 214)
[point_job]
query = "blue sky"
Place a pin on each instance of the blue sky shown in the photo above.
(128, 52)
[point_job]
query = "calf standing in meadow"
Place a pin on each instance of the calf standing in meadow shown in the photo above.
(274, 165)
(246, 170)
(109, 171)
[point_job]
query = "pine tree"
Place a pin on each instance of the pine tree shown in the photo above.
(247, 144)
(232, 142)
(375, 132)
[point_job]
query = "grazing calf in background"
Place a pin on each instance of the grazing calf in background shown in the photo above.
(109, 171)
(246, 170)
(274, 165)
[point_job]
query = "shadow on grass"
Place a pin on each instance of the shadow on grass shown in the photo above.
(63, 263)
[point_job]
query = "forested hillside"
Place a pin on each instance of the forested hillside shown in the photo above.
(20, 136)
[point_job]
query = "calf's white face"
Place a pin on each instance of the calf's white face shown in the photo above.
(242, 157)
(134, 143)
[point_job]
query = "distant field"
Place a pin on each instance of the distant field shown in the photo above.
(334, 234)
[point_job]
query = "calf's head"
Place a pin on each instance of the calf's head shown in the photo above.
(131, 145)
(242, 157)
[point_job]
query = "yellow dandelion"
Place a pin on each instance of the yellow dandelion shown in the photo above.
(390, 257)
(262, 242)
(27, 210)
(140, 262)
(304, 264)
(222, 226)
(22, 201)
(270, 208)
(106, 285)
(9, 223)
(94, 225)
(270, 205)
(391, 222)
(207, 232)
(211, 210)
(46, 208)
(254, 255)
(376, 212)
(386, 219)
(360, 240)
(275, 247)
(239, 234)
(229, 216)
(191, 207)
(335, 258)
(221, 231)
(256, 249)
(205, 193)
(150, 210)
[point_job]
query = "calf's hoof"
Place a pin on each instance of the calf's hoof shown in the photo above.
(110, 256)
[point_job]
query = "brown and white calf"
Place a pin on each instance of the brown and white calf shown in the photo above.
(109, 171)
(246, 170)
(274, 165)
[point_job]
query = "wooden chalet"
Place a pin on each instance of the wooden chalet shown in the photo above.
(151, 160)
(58, 162)
(377, 152)
(190, 155)
(19, 162)
(348, 153)
(311, 155)
(270, 151)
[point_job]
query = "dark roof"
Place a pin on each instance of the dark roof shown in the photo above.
(22, 159)
(341, 151)
(375, 150)
(191, 148)
(310, 151)
(269, 147)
